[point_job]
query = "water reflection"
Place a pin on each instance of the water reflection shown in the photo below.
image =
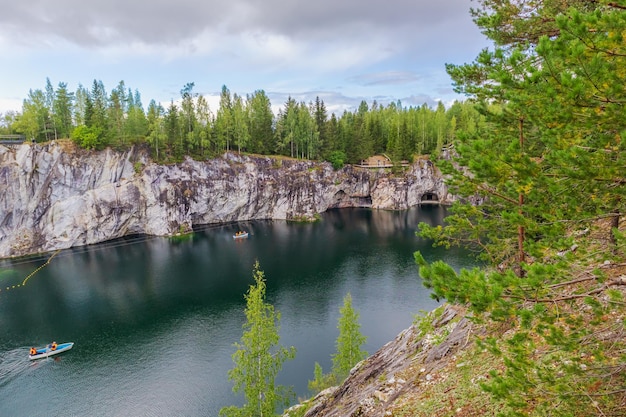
(122, 301)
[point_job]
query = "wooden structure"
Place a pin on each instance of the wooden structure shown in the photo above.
(380, 161)
(12, 139)
(376, 161)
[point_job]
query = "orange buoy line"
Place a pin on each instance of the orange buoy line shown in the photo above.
(40, 268)
(11, 287)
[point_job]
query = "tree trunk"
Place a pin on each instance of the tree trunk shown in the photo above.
(614, 226)
(520, 228)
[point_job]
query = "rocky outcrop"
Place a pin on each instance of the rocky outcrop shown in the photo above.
(56, 197)
(397, 371)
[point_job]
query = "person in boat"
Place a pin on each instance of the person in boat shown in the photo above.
(54, 346)
(33, 351)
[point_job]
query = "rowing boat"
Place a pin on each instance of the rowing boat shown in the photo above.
(48, 351)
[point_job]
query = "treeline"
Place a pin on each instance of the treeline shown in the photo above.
(95, 119)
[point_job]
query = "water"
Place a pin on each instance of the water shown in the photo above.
(154, 320)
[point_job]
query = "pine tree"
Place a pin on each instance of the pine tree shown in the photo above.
(205, 122)
(156, 135)
(547, 161)
(188, 117)
(81, 102)
(50, 96)
(136, 125)
(321, 118)
(241, 128)
(261, 123)
(116, 116)
(224, 123)
(99, 101)
(173, 131)
(259, 357)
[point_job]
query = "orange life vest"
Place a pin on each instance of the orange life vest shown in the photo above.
(33, 351)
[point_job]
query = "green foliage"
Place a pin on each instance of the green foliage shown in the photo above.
(259, 357)
(307, 219)
(349, 341)
(550, 355)
(424, 321)
(35, 117)
(87, 137)
(348, 352)
(62, 108)
(337, 159)
(261, 120)
(240, 124)
(245, 124)
(181, 237)
(547, 161)
(320, 380)
(138, 167)
(459, 393)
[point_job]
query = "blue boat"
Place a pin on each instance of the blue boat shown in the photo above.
(50, 350)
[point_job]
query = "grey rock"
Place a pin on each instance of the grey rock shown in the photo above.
(55, 197)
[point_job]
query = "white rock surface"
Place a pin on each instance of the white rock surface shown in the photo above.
(52, 197)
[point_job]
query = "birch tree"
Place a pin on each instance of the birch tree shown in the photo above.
(259, 357)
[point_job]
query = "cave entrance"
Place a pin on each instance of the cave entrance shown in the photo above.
(343, 200)
(430, 198)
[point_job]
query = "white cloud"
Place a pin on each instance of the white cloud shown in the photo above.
(7, 104)
(357, 50)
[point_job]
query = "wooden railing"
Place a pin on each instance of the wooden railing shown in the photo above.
(12, 139)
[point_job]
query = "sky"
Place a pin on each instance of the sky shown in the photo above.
(342, 51)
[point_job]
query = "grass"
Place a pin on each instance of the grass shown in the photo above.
(181, 237)
(454, 390)
(306, 219)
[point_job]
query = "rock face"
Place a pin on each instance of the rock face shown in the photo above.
(55, 197)
(398, 370)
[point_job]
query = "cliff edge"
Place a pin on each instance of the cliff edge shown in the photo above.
(55, 196)
(406, 374)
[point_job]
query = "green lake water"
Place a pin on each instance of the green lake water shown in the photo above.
(154, 319)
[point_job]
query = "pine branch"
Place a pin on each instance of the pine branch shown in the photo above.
(574, 281)
(621, 280)
(602, 394)
(494, 193)
(616, 5)
(612, 265)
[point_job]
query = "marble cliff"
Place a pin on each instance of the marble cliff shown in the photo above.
(54, 196)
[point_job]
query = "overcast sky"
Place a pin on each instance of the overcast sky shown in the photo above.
(343, 51)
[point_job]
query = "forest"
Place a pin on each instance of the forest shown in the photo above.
(542, 191)
(95, 118)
